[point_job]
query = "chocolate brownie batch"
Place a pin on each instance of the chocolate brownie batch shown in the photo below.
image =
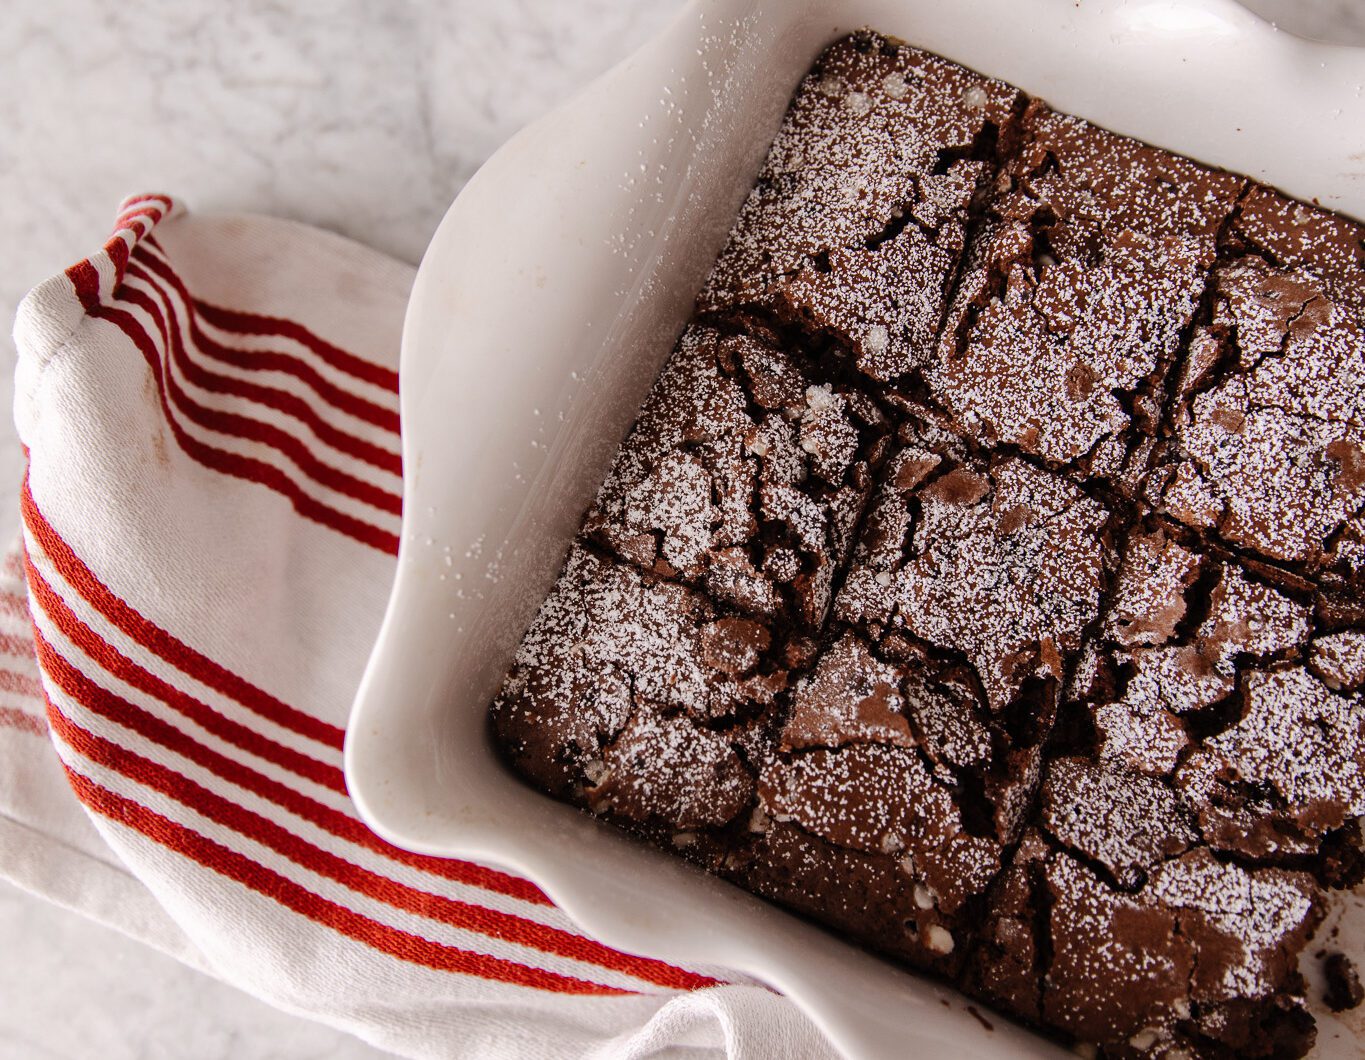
(983, 576)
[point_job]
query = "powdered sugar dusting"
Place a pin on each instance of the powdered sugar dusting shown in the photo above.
(1263, 918)
(608, 646)
(669, 767)
(1089, 269)
(1001, 561)
(1126, 822)
(859, 796)
(742, 475)
(1271, 454)
(810, 238)
(1339, 660)
(1296, 758)
(1308, 239)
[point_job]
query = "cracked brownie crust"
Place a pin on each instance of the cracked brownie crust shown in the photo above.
(1267, 452)
(745, 475)
(1198, 958)
(1089, 267)
(982, 577)
(859, 216)
(995, 560)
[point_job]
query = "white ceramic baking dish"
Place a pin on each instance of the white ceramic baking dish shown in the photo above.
(544, 307)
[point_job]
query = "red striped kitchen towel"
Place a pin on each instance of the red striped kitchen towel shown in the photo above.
(210, 515)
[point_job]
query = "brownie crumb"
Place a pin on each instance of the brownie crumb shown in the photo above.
(976, 1015)
(1343, 983)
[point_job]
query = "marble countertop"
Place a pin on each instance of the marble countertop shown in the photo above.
(360, 116)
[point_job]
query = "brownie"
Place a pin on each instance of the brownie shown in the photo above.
(1222, 684)
(1194, 956)
(984, 576)
(1089, 268)
(1338, 659)
(744, 474)
(891, 778)
(630, 695)
(994, 562)
(857, 223)
(1268, 436)
(1305, 239)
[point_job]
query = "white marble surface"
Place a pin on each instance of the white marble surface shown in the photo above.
(364, 116)
(70, 988)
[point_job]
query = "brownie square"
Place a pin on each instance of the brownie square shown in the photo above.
(1192, 955)
(1088, 270)
(632, 696)
(1225, 684)
(744, 474)
(1305, 239)
(990, 561)
(888, 780)
(1267, 452)
(856, 226)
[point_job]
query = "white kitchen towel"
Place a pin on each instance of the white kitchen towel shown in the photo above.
(210, 518)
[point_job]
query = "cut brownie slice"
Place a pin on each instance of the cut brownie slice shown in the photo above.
(878, 797)
(1294, 235)
(856, 226)
(743, 475)
(995, 563)
(1225, 686)
(1191, 956)
(633, 696)
(1268, 436)
(972, 584)
(1089, 270)
(888, 803)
